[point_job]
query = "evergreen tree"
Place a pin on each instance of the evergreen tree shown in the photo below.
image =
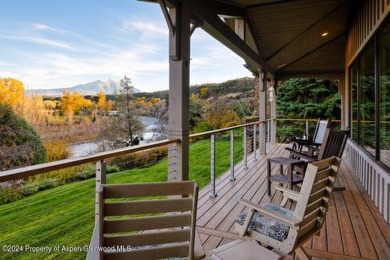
(305, 98)
(309, 98)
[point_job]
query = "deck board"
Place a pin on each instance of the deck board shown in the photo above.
(354, 227)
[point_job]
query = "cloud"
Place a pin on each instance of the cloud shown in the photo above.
(146, 29)
(44, 27)
(40, 40)
(55, 69)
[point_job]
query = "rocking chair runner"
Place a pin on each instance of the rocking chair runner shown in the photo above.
(282, 229)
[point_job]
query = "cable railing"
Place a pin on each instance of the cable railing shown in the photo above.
(57, 221)
(228, 146)
(291, 128)
(54, 220)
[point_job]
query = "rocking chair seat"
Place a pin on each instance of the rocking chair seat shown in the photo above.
(268, 226)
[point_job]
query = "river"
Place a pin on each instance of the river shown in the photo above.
(83, 149)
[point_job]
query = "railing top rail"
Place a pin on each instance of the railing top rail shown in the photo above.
(225, 129)
(52, 166)
(303, 119)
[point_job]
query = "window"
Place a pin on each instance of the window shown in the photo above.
(384, 95)
(370, 97)
(354, 103)
(367, 100)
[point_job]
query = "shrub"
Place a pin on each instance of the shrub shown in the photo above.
(20, 145)
(57, 150)
(9, 194)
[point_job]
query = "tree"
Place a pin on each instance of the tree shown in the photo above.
(101, 99)
(72, 103)
(309, 98)
(306, 98)
(108, 106)
(11, 92)
(242, 109)
(195, 110)
(220, 115)
(20, 145)
(125, 128)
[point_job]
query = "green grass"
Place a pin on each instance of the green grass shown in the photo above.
(64, 216)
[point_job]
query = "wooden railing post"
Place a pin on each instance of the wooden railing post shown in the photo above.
(212, 168)
(262, 138)
(245, 149)
(307, 129)
(232, 178)
(273, 131)
(268, 130)
(254, 143)
(100, 179)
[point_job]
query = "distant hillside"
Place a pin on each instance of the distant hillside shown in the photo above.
(91, 88)
(237, 88)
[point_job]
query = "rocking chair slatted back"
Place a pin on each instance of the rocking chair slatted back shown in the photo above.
(164, 212)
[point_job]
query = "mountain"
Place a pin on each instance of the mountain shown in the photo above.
(91, 88)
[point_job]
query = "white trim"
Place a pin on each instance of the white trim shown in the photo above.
(374, 178)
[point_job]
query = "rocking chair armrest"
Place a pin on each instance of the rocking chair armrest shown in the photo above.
(291, 194)
(272, 214)
(300, 155)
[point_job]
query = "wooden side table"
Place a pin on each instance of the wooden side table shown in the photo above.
(289, 178)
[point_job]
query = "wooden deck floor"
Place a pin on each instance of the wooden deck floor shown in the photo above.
(354, 227)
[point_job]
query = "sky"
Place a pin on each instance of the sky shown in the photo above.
(63, 43)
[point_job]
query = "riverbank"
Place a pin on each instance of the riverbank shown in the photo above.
(91, 147)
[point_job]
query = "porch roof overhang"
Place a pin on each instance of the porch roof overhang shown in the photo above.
(287, 38)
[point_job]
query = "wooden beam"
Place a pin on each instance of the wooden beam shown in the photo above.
(168, 18)
(213, 25)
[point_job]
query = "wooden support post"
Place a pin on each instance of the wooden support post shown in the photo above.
(179, 64)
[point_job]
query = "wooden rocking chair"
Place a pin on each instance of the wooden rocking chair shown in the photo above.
(333, 145)
(319, 133)
(146, 221)
(281, 229)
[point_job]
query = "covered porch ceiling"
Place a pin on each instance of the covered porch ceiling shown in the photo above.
(288, 38)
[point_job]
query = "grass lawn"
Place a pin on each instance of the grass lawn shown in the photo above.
(62, 218)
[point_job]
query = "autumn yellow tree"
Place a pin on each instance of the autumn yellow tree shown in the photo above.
(71, 103)
(11, 92)
(101, 99)
(108, 106)
(203, 92)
